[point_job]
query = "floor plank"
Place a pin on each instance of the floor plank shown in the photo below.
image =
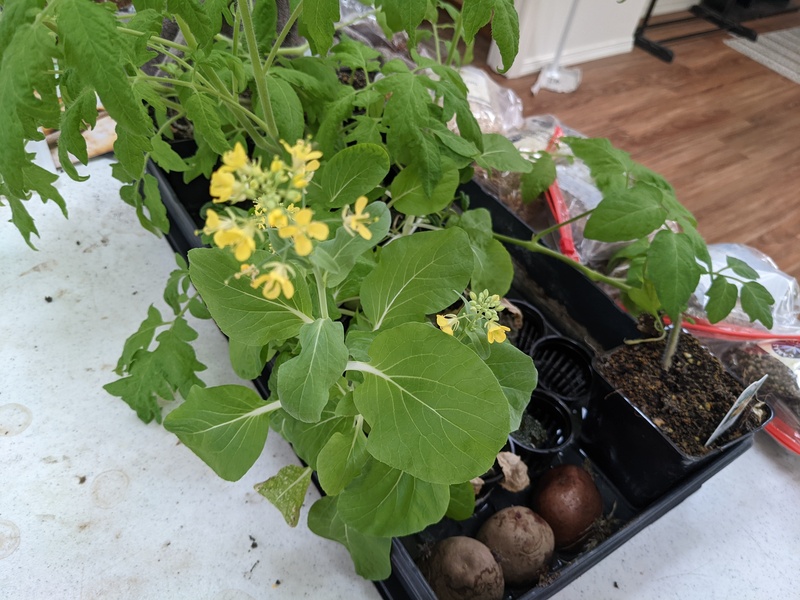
(723, 129)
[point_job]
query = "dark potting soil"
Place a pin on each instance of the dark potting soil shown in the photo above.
(688, 401)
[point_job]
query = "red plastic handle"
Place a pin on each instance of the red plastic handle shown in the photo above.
(558, 208)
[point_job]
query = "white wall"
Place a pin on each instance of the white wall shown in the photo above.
(601, 28)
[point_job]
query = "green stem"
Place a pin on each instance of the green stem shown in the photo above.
(591, 274)
(452, 50)
(557, 226)
(672, 344)
(155, 39)
(293, 50)
(259, 72)
(282, 35)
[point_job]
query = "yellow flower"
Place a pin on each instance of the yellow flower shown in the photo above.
(227, 233)
(222, 185)
(303, 155)
(357, 222)
(276, 166)
(275, 282)
(234, 159)
(277, 218)
(447, 323)
(304, 229)
(496, 332)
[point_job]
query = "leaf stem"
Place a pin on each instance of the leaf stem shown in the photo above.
(545, 232)
(535, 246)
(155, 39)
(282, 35)
(323, 298)
(672, 343)
(259, 70)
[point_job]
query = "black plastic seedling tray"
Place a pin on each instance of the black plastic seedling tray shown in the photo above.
(570, 306)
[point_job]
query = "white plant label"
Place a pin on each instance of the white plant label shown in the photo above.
(737, 409)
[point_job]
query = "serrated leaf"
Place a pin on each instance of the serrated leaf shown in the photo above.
(156, 211)
(287, 491)
(673, 270)
(722, 296)
(370, 554)
(505, 25)
(417, 275)
(500, 154)
(22, 220)
(757, 302)
(316, 23)
(700, 247)
(334, 114)
(89, 34)
(343, 251)
(140, 340)
(610, 167)
(404, 16)
(194, 16)
(241, 311)
(226, 426)
(165, 157)
(81, 113)
(203, 111)
(341, 460)
(539, 179)
(304, 381)
(287, 109)
(741, 268)
(350, 173)
(170, 368)
(265, 24)
(435, 410)
(625, 215)
(372, 502)
(408, 191)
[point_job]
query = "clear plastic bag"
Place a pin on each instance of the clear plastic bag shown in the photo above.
(496, 108)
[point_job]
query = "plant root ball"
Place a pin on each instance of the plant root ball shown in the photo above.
(568, 499)
(522, 542)
(461, 568)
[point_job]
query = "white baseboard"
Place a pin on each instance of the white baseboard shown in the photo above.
(573, 56)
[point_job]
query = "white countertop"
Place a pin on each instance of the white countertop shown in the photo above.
(96, 504)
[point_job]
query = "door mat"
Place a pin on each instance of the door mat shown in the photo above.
(778, 50)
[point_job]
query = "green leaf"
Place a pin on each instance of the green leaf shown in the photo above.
(165, 157)
(140, 340)
(505, 25)
(341, 460)
(722, 296)
(22, 219)
(625, 215)
(239, 310)
(203, 111)
(287, 491)
(373, 502)
(610, 167)
(265, 23)
(81, 113)
(435, 410)
(287, 109)
(417, 275)
(539, 179)
(342, 252)
(350, 173)
(462, 501)
(673, 270)
(192, 14)
(226, 426)
(156, 210)
(89, 36)
(316, 23)
(247, 360)
(159, 374)
(304, 381)
(404, 16)
(741, 268)
(335, 113)
(757, 302)
(517, 376)
(370, 554)
(493, 269)
(410, 198)
(500, 154)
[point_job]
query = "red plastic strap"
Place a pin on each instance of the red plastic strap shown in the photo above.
(558, 207)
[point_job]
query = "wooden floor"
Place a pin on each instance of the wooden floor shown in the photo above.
(724, 130)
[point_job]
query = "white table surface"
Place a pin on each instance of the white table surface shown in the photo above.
(96, 504)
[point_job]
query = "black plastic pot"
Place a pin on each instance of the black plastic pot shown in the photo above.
(612, 441)
(565, 368)
(557, 431)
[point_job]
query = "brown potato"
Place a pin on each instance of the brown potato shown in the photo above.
(521, 541)
(462, 568)
(568, 499)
